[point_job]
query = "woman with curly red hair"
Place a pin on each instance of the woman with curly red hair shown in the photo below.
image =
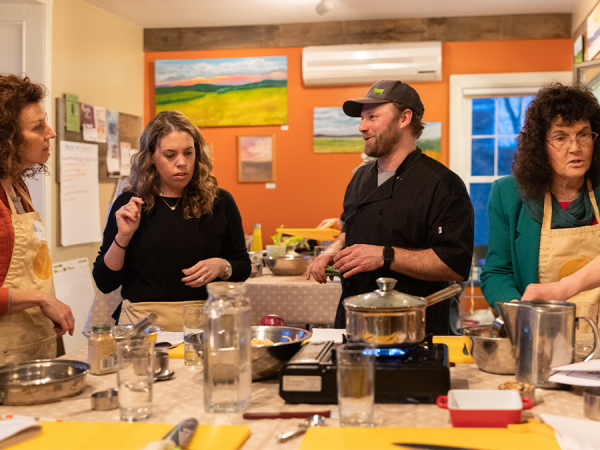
(173, 230)
(544, 219)
(30, 315)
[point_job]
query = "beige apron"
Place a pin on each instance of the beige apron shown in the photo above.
(28, 334)
(170, 314)
(565, 251)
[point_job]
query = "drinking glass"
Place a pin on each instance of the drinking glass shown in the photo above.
(135, 374)
(356, 386)
(584, 339)
(192, 324)
(319, 249)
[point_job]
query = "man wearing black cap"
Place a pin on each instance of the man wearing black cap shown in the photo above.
(406, 216)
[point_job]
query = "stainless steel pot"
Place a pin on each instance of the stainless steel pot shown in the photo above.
(491, 353)
(387, 317)
(41, 381)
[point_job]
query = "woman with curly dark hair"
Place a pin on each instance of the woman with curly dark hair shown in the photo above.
(30, 315)
(173, 230)
(544, 220)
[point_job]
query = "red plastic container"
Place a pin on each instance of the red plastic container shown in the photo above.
(482, 408)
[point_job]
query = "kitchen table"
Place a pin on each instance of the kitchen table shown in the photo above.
(296, 299)
(182, 397)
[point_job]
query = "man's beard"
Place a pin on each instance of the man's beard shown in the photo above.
(385, 142)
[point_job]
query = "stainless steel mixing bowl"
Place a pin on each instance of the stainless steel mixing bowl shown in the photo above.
(41, 381)
(288, 265)
(491, 354)
(267, 360)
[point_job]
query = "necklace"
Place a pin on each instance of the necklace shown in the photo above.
(172, 207)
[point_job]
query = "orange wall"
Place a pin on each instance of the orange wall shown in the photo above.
(309, 186)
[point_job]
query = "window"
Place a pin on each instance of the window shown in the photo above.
(486, 116)
(495, 125)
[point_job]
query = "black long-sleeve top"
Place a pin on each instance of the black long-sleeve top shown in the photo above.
(165, 243)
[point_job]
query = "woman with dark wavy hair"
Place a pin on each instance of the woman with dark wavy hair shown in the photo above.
(30, 315)
(173, 230)
(543, 220)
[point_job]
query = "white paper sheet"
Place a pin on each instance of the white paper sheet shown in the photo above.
(576, 378)
(100, 116)
(125, 159)
(79, 197)
(172, 337)
(113, 159)
(328, 334)
(590, 366)
(73, 285)
(574, 434)
(14, 431)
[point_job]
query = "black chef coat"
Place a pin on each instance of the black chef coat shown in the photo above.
(424, 206)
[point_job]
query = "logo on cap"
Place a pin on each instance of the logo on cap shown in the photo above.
(378, 91)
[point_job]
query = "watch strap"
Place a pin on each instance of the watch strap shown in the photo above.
(388, 256)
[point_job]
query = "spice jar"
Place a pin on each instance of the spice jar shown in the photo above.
(101, 350)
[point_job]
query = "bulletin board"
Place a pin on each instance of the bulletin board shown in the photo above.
(130, 130)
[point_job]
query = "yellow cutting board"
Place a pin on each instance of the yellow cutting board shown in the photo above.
(319, 234)
(177, 352)
(126, 436)
(456, 345)
(530, 436)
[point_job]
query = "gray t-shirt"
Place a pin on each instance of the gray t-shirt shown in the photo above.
(18, 204)
(382, 176)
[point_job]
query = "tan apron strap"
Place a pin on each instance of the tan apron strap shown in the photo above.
(10, 202)
(593, 200)
(547, 222)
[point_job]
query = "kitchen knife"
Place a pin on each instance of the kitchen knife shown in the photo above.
(183, 433)
(431, 446)
(285, 415)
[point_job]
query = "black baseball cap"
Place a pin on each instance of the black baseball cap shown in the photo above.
(386, 91)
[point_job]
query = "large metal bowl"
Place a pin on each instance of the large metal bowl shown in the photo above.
(267, 360)
(41, 381)
(288, 265)
(491, 354)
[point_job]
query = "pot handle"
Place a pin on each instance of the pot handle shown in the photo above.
(527, 403)
(596, 350)
(442, 401)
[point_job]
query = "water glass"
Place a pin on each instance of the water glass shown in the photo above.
(319, 249)
(192, 324)
(584, 339)
(356, 384)
(135, 374)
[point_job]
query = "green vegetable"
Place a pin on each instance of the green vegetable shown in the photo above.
(288, 242)
(331, 272)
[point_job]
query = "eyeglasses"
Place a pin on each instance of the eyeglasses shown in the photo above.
(563, 142)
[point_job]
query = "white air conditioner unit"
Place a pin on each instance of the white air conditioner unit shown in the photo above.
(368, 63)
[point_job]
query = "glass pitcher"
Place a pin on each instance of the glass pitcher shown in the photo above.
(227, 348)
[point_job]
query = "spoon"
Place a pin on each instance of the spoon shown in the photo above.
(164, 375)
(313, 421)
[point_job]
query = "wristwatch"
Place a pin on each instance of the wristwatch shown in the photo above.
(388, 256)
(228, 270)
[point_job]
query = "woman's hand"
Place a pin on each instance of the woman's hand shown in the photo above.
(128, 219)
(59, 313)
(547, 291)
(204, 271)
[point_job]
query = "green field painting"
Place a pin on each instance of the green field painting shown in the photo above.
(338, 144)
(220, 92)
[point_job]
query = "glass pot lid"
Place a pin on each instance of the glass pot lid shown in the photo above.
(385, 297)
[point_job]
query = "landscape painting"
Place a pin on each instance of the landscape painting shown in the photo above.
(431, 140)
(256, 159)
(335, 132)
(221, 92)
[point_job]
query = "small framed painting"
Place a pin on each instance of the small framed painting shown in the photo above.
(256, 159)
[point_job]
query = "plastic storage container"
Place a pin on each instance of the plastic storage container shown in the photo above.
(227, 348)
(483, 408)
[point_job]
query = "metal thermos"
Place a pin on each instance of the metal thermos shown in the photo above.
(542, 334)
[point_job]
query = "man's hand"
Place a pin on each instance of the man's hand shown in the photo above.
(358, 258)
(317, 267)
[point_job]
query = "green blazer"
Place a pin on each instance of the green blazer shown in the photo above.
(512, 260)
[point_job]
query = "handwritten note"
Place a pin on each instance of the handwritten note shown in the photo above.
(79, 197)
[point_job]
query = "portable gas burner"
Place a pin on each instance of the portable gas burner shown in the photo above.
(415, 374)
